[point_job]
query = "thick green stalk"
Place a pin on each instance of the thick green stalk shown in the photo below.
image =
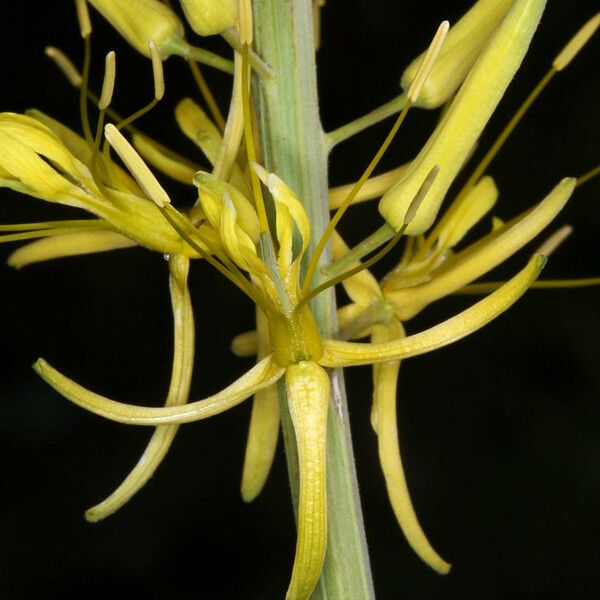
(294, 146)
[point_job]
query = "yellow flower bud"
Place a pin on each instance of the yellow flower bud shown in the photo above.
(466, 117)
(207, 17)
(462, 46)
(140, 21)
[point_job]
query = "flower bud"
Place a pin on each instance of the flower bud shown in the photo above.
(462, 46)
(140, 21)
(207, 17)
(464, 120)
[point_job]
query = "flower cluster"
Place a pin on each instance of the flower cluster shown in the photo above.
(251, 226)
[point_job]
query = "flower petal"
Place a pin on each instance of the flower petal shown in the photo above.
(179, 388)
(264, 425)
(308, 398)
(483, 255)
(68, 244)
(347, 354)
(263, 374)
(385, 378)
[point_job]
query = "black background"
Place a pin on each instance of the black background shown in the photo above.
(500, 432)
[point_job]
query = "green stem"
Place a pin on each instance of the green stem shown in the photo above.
(294, 146)
(180, 47)
(372, 118)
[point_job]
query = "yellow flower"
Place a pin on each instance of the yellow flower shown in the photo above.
(296, 349)
(259, 244)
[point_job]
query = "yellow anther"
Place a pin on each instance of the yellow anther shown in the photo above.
(465, 119)
(428, 62)
(554, 241)
(64, 63)
(143, 175)
(108, 84)
(462, 46)
(83, 17)
(576, 43)
(157, 71)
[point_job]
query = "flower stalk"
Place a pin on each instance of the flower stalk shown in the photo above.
(294, 146)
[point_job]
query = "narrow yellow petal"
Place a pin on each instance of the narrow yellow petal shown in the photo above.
(263, 374)
(262, 442)
(68, 244)
(308, 397)
(282, 194)
(264, 424)
(385, 378)
(466, 117)
(483, 255)
(181, 376)
(478, 201)
(347, 354)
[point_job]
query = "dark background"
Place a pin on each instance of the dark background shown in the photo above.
(500, 432)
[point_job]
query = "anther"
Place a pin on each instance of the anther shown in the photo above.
(420, 195)
(576, 43)
(108, 83)
(554, 241)
(157, 71)
(64, 63)
(136, 166)
(428, 62)
(83, 17)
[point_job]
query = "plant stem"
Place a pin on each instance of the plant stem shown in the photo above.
(382, 112)
(294, 146)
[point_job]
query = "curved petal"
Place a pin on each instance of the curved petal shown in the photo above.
(263, 374)
(308, 397)
(483, 255)
(179, 388)
(385, 378)
(263, 431)
(347, 354)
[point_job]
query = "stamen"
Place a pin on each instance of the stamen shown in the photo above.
(560, 62)
(64, 63)
(249, 134)
(428, 62)
(142, 174)
(576, 43)
(587, 176)
(372, 188)
(420, 78)
(157, 71)
(207, 94)
(83, 17)
(108, 84)
(83, 91)
(409, 216)
(554, 241)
